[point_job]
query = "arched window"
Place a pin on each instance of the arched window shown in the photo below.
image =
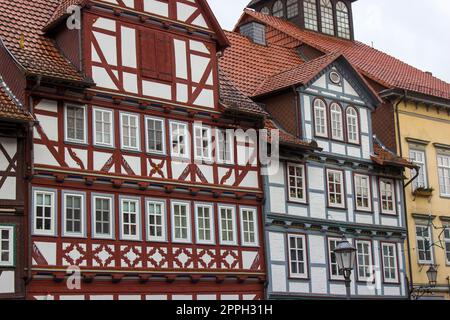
(337, 128)
(320, 118)
(310, 8)
(278, 9)
(292, 8)
(352, 125)
(343, 23)
(326, 11)
(265, 10)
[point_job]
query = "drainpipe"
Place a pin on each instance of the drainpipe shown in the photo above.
(408, 241)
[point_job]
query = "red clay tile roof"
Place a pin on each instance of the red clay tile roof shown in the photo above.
(286, 138)
(384, 156)
(300, 74)
(10, 107)
(248, 64)
(233, 99)
(373, 63)
(21, 23)
(61, 11)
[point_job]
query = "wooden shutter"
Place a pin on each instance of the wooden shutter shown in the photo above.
(148, 54)
(164, 56)
(156, 55)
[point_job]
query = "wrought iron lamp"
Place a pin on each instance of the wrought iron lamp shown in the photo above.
(417, 293)
(345, 254)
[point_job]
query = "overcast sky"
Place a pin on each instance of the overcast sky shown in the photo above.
(415, 31)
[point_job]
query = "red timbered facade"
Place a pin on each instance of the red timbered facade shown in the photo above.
(140, 185)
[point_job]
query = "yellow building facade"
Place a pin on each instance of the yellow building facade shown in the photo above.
(423, 136)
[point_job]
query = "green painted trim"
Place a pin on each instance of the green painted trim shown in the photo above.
(13, 245)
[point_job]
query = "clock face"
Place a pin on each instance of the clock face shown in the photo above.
(335, 77)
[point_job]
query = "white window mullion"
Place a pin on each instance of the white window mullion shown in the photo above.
(155, 133)
(74, 214)
(298, 265)
(130, 132)
(103, 127)
(204, 217)
(364, 260)
(227, 225)
(296, 182)
(103, 216)
(390, 267)
(130, 219)
(156, 221)
(44, 212)
(179, 139)
(181, 222)
(363, 192)
(75, 123)
(336, 194)
(249, 226)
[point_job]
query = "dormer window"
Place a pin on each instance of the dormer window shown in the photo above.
(278, 9)
(292, 8)
(265, 10)
(326, 11)
(343, 23)
(310, 9)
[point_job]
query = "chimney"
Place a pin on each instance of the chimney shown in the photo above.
(254, 31)
(429, 73)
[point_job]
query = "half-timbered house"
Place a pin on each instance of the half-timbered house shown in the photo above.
(139, 187)
(14, 164)
(341, 181)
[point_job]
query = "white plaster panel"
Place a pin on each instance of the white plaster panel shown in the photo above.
(392, 291)
(100, 159)
(365, 147)
(47, 105)
(134, 163)
(338, 148)
(130, 297)
(8, 190)
(348, 89)
(180, 59)
(296, 210)
(365, 290)
(354, 152)
(72, 297)
(317, 205)
(276, 173)
(205, 98)
(325, 145)
(7, 282)
(204, 297)
(105, 24)
(198, 46)
(49, 125)
(250, 180)
(48, 251)
(388, 221)
(335, 88)
(276, 246)
(308, 131)
(198, 67)
(43, 156)
(319, 280)
(299, 287)
(307, 108)
(364, 120)
(321, 82)
(101, 297)
(316, 178)
(184, 11)
(182, 93)
(316, 249)
(278, 278)
(208, 173)
(277, 200)
(102, 78)
(248, 257)
(156, 89)
(156, 297)
(229, 297)
(364, 218)
(129, 47)
(80, 154)
(337, 289)
(157, 7)
(337, 215)
(108, 46)
(130, 82)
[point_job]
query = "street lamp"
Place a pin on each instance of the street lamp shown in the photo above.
(345, 254)
(421, 291)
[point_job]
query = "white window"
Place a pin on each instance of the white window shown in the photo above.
(155, 135)
(129, 125)
(130, 219)
(387, 196)
(6, 246)
(335, 273)
(336, 194)
(296, 182)
(74, 215)
(444, 175)
(337, 128)
(418, 158)
(424, 244)
(204, 217)
(265, 10)
(103, 127)
(390, 268)
(278, 9)
(249, 227)
(320, 118)
(179, 139)
(326, 10)
(75, 122)
(310, 11)
(343, 23)
(202, 142)
(447, 243)
(44, 212)
(156, 220)
(352, 126)
(363, 193)
(292, 8)
(225, 146)
(364, 260)
(103, 217)
(298, 265)
(181, 222)
(227, 225)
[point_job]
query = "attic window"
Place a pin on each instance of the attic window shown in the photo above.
(255, 32)
(335, 77)
(265, 10)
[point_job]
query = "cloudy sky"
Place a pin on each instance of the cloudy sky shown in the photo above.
(415, 31)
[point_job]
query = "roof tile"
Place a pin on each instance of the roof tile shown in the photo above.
(10, 107)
